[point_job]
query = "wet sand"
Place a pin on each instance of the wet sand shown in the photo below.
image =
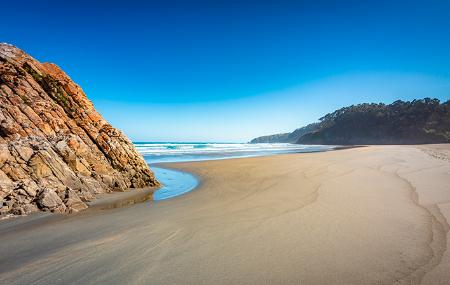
(372, 215)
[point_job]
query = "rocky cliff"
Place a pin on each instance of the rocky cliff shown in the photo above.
(286, 137)
(276, 138)
(56, 150)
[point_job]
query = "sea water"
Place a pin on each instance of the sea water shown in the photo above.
(157, 152)
(176, 182)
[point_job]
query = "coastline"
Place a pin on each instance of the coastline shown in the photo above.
(118, 199)
(132, 196)
(277, 219)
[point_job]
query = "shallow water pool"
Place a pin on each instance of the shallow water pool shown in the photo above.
(174, 182)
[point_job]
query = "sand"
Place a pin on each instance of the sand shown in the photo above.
(372, 215)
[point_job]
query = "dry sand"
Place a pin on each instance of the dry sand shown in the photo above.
(373, 215)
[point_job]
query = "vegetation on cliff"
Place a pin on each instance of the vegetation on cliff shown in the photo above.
(412, 122)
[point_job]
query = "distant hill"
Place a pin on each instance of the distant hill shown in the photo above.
(412, 122)
(286, 137)
(276, 138)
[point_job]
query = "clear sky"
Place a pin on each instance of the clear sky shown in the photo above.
(234, 70)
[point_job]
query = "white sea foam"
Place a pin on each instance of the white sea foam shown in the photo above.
(172, 152)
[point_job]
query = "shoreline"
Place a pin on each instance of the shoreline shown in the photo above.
(118, 199)
(113, 200)
(286, 218)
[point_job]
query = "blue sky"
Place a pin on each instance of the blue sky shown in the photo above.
(233, 70)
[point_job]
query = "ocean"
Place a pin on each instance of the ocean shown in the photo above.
(177, 183)
(158, 152)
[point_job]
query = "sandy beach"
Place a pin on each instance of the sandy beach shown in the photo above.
(370, 215)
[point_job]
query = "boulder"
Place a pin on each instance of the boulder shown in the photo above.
(73, 202)
(49, 200)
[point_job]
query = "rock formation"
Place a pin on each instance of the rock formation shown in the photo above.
(56, 151)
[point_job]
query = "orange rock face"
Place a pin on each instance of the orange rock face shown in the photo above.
(56, 151)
